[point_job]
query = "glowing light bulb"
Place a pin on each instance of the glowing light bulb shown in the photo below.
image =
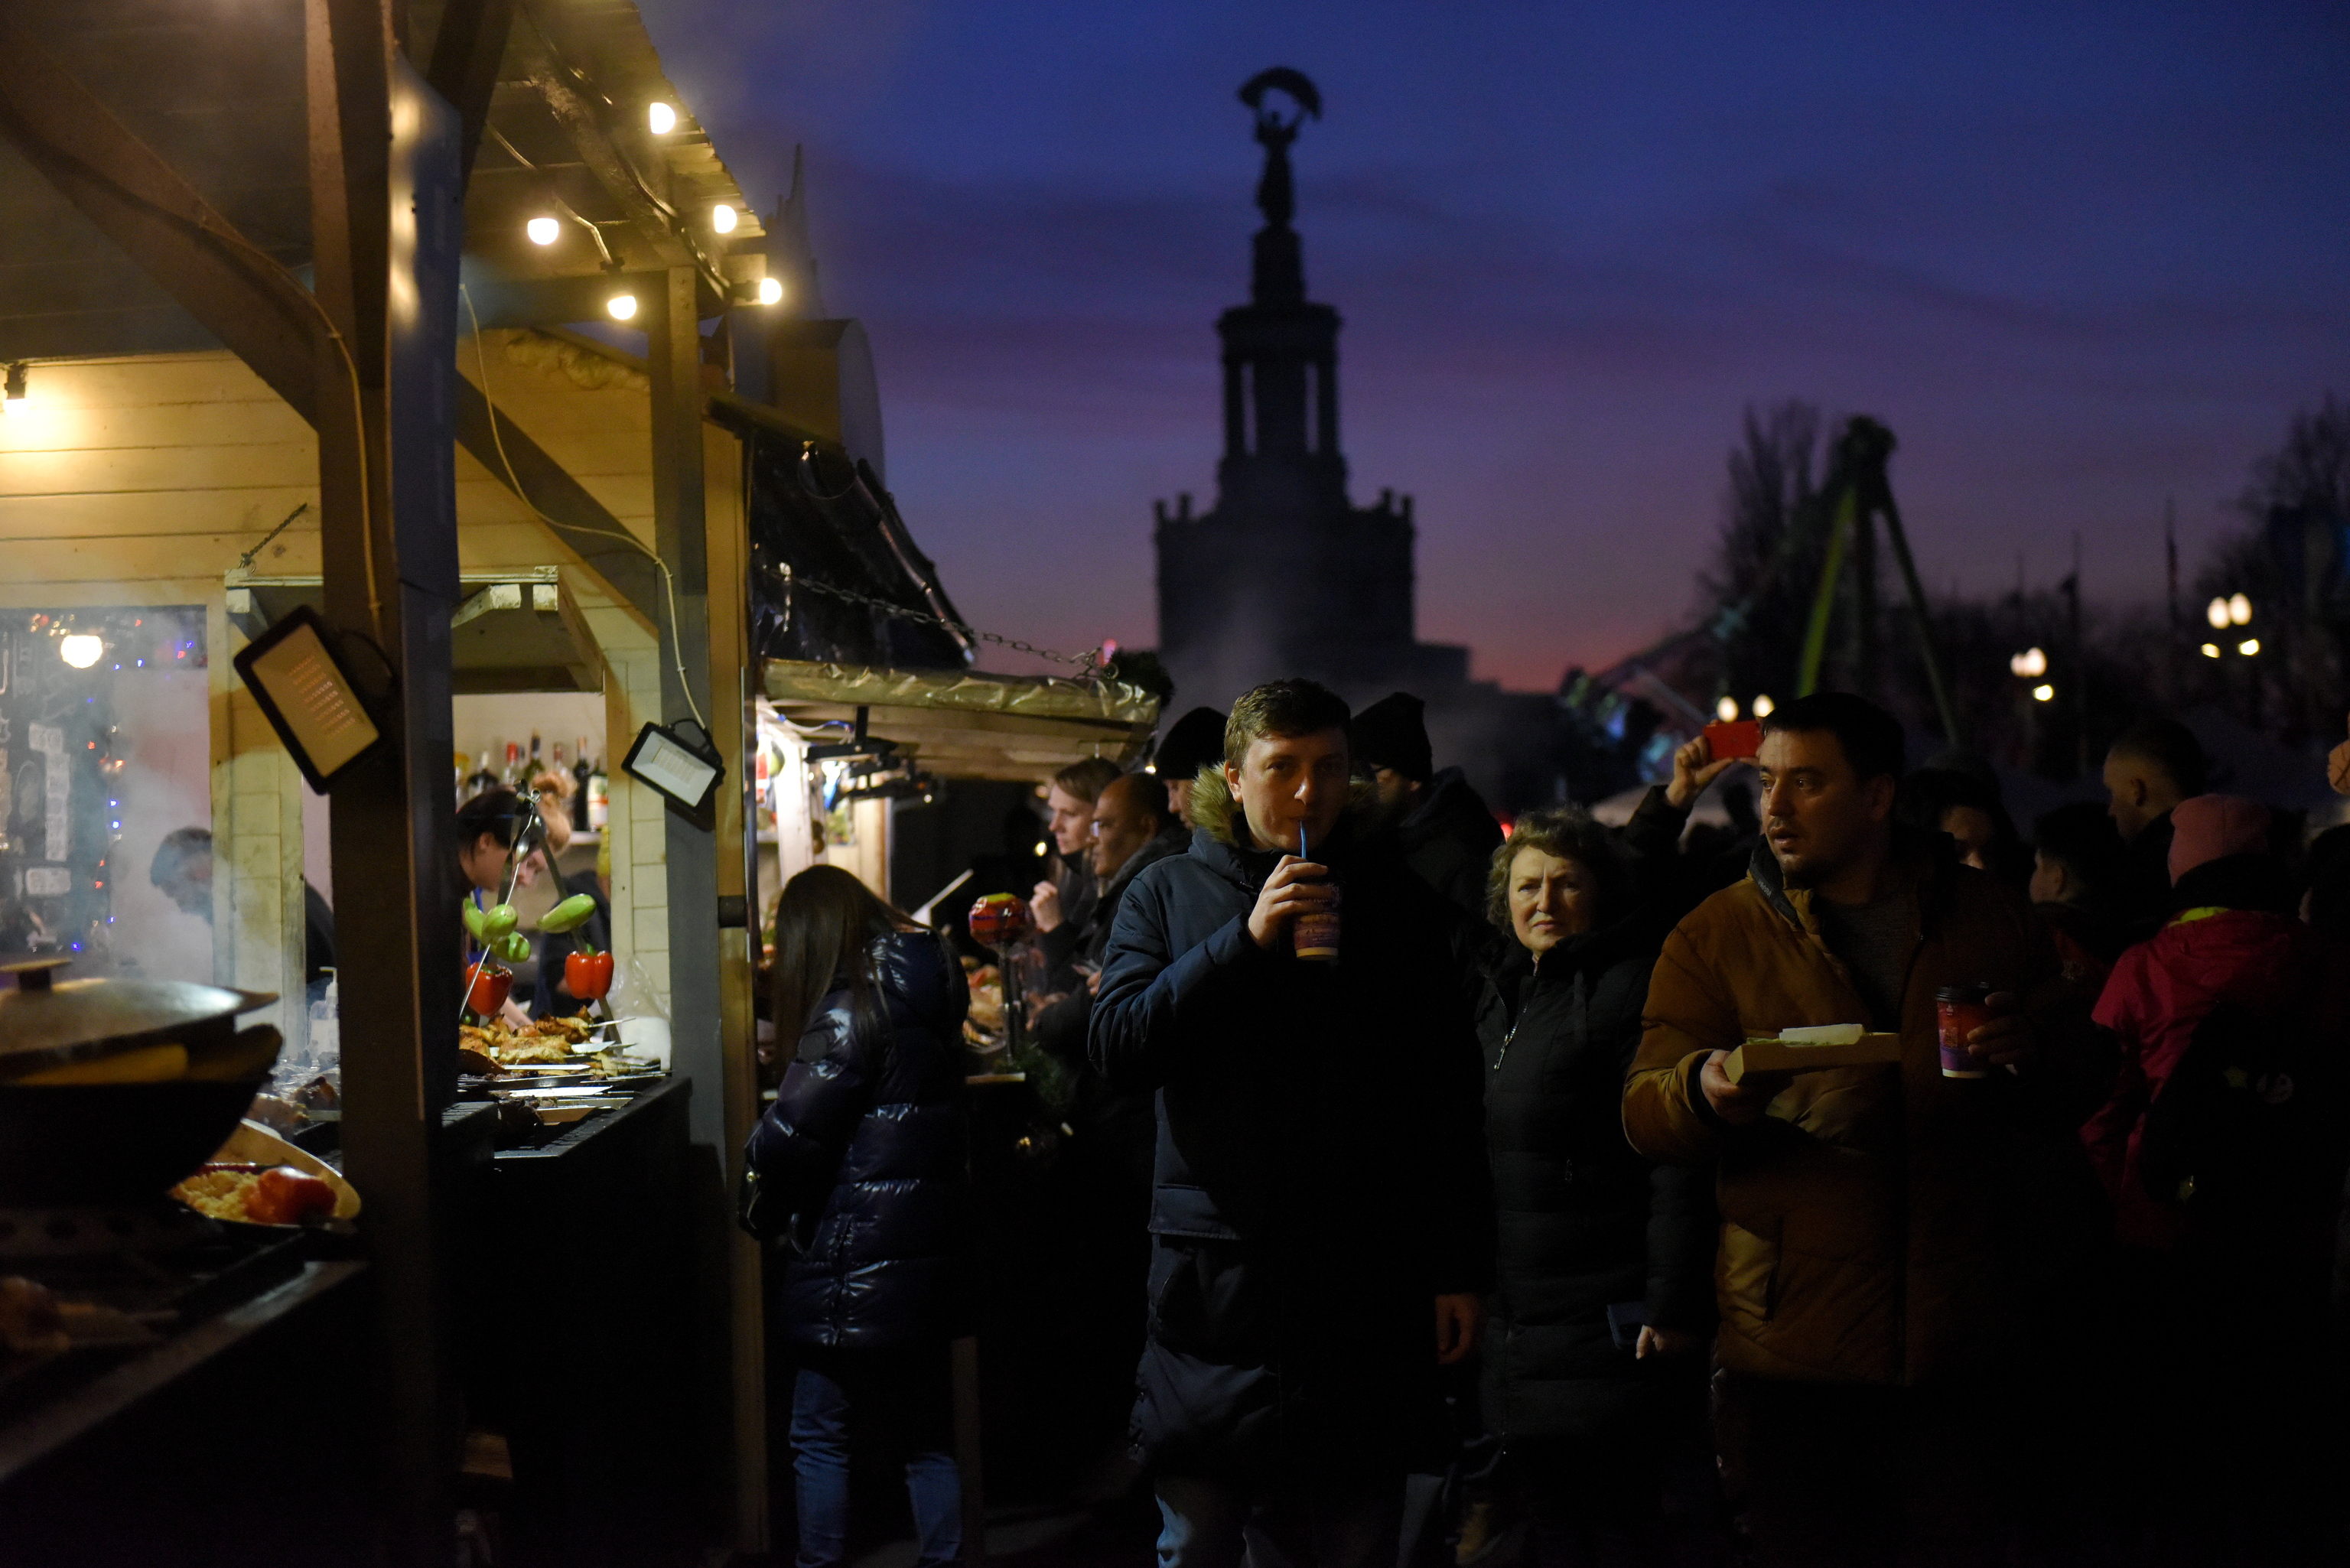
(1040, 849)
(771, 291)
(622, 305)
(543, 231)
(2210, 650)
(1763, 706)
(722, 218)
(2216, 612)
(2043, 693)
(81, 650)
(2030, 664)
(2249, 647)
(2239, 610)
(1726, 710)
(661, 117)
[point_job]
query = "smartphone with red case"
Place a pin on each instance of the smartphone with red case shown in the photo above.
(1739, 738)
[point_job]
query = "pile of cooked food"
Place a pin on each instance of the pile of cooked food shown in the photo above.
(546, 1040)
(257, 1195)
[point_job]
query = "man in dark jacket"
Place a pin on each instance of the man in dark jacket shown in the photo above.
(1131, 830)
(1321, 1200)
(2155, 764)
(1446, 833)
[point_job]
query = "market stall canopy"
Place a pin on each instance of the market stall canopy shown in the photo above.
(218, 89)
(512, 631)
(965, 724)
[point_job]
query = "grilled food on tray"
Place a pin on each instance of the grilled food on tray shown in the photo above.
(547, 1040)
(280, 1195)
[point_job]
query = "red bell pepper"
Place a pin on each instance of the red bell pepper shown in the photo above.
(488, 992)
(587, 975)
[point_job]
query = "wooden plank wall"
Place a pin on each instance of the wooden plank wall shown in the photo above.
(143, 480)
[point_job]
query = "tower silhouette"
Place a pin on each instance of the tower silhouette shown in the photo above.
(1285, 575)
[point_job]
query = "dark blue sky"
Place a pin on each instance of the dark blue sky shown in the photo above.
(2081, 258)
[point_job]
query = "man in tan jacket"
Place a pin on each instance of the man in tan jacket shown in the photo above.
(1884, 1230)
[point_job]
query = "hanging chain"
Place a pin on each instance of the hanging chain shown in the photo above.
(1090, 661)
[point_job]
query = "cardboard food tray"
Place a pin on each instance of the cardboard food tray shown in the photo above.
(1787, 1056)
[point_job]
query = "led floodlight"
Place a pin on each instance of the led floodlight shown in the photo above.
(682, 771)
(306, 696)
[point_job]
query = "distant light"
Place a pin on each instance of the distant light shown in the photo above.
(1763, 706)
(771, 291)
(622, 305)
(543, 231)
(2249, 647)
(2031, 663)
(661, 117)
(2216, 612)
(81, 650)
(1151, 767)
(2240, 610)
(2043, 693)
(1040, 849)
(2210, 650)
(722, 218)
(1726, 710)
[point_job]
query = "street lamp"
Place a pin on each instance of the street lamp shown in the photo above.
(2240, 610)
(2029, 665)
(1726, 710)
(2043, 693)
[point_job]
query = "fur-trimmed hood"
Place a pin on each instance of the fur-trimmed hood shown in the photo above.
(1217, 814)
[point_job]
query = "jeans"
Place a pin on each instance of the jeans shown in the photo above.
(907, 1395)
(1208, 1523)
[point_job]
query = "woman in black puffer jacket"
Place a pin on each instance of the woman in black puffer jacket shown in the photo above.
(860, 1169)
(1595, 1363)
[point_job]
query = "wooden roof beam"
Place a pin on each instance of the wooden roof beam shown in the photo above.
(232, 287)
(467, 50)
(657, 223)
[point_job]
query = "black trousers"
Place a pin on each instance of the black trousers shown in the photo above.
(1826, 1476)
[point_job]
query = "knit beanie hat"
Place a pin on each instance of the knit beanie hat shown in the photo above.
(1194, 741)
(1390, 735)
(2210, 826)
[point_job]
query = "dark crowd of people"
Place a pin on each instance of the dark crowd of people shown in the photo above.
(1439, 1218)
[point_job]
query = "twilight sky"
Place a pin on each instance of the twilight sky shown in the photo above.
(2079, 258)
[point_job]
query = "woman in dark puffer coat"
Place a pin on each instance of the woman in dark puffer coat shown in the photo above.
(860, 1169)
(1595, 1361)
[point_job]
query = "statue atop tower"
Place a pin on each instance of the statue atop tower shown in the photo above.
(1285, 575)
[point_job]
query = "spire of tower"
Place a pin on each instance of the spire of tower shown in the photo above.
(1278, 276)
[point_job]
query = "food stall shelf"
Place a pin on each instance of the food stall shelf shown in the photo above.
(240, 1439)
(583, 1332)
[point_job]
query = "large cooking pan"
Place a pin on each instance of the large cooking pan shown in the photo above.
(110, 1091)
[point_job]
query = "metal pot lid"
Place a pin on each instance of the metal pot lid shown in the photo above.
(45, 1020)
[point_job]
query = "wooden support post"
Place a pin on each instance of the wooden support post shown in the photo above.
(968, 1448)
(466, 53)
(697, 1045)
(734, 727)
(387, 221)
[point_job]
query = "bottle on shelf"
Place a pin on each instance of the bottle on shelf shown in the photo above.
(600, 798)
(536, 764)
(579, 775)
(481, 778)
(513, 764)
